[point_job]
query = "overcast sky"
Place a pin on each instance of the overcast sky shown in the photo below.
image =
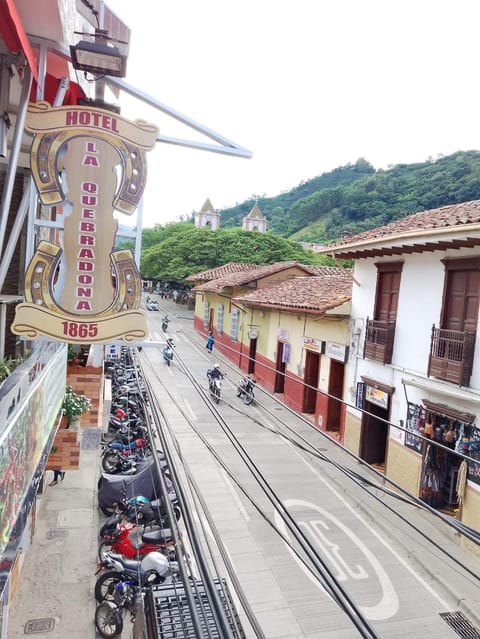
(307, 86)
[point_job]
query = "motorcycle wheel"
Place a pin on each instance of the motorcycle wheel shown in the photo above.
(108, 620)
(105, 585)
(103, 548)
(248, 398)
(110, 462)
(168, 362)
(216, 396)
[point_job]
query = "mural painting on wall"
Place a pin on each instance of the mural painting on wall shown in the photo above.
(88, 162)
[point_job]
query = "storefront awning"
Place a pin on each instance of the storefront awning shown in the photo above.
(13, 34)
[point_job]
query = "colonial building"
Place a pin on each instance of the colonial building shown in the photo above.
(414, 362)
(255, 220)
(288, 325)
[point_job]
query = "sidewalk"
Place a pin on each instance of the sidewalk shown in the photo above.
(55, 596)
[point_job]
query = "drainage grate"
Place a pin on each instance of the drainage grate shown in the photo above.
(39, 625)
(57, 533)
(461, 625)
(91, 438)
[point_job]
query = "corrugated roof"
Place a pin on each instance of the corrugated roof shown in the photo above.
(316, 294)
(442, 218)
(243, 278)
(220, 271)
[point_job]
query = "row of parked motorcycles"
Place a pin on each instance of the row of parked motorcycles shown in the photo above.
(136, 547)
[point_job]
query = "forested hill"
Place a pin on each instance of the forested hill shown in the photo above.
(353, 198)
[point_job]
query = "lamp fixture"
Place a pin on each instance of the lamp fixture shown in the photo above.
(99, 57)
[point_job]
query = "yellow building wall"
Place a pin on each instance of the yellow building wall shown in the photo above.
(470, 515)
(351, 434)
(404, 467)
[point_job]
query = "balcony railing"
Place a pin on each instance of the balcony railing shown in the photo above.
(379, 338)
(451, 355)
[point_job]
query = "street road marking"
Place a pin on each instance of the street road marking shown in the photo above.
(189, 408)
(236, 498)
(400, 559)
(389, 604)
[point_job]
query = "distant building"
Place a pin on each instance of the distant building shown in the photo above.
(255, 220)
(207, 216)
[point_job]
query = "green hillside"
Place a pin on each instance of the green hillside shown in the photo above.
(357, 197)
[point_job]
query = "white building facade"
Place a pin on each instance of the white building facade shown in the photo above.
(414, 374)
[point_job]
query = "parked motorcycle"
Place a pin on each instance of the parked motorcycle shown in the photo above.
(154, 568)
(116, 452)
(133, 542)
(245, 389)
(168, 351)
(165, 322)
(109, 614)
(139, 510)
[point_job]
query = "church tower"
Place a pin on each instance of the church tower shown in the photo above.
(207, 216)
(255, 220)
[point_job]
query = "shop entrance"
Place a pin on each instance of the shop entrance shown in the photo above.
(310, 377)
(251, 356)
(335, 389)
(280, 367)
(373, 439)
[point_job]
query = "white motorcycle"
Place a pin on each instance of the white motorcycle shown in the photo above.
(215, 386)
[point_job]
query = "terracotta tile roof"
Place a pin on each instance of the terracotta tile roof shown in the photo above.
(445, 217)
(316, 294)
(243, 278)
(220, 271)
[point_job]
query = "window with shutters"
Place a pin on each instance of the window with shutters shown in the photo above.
(380, 331)
(220, 318)
(453, 342)
(206, 314)
(234, 325)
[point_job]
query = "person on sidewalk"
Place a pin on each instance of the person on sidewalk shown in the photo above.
(57, 475)
(210, 342)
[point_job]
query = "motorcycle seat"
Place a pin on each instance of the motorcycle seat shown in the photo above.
(157, 536)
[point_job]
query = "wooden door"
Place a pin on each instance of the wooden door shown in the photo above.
(280, 370)
(461, 301)
(310, 377)
(388, 286)
(251, 356)
(335, 389)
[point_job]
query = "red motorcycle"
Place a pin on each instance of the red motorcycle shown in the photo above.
(133, 543)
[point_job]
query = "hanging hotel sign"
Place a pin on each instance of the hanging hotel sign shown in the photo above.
(88, 162)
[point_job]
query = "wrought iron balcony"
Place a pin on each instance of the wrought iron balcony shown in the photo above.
(379, 338)
(451, 355)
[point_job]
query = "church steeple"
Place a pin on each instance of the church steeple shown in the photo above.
(255, 220)
(207, 216)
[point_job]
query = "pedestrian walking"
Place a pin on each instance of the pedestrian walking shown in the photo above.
(210, 341)
(57, 475)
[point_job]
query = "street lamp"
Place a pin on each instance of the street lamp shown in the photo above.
(99, 57)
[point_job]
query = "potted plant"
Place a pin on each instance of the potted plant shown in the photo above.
(74, 405)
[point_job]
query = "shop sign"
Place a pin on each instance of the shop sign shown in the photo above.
(253, 333)
(87, 162)
(337, 351)
(360, 395)
(376, 396)
(312, 344)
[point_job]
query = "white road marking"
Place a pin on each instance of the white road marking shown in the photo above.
(235, 497)
(189, 408)
(400, 559)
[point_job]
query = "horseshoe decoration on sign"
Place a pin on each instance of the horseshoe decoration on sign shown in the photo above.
(89, 162)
